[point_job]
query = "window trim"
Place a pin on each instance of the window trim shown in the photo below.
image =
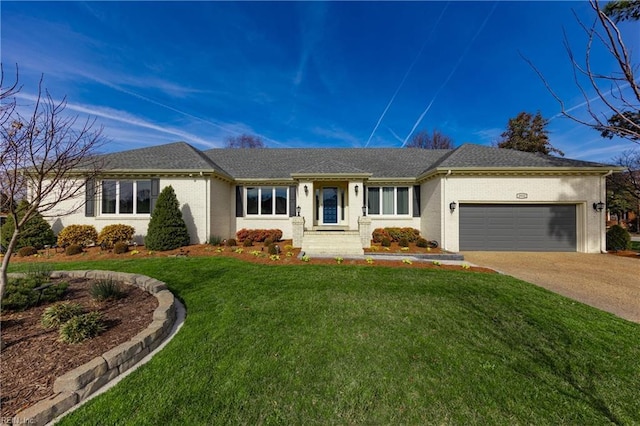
(274, 203)
(395, 201)
(117, 198)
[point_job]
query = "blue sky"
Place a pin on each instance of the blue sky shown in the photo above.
(306, 74)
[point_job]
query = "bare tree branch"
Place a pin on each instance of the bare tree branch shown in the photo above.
(621, 114)
(47, 157)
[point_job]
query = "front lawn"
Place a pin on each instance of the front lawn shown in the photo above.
(355, 344)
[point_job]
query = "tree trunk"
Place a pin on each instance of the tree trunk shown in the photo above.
(5, 262)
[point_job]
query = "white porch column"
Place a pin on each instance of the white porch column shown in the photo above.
(305, 201)
(297, 223)
(355, 201)
(364, 226)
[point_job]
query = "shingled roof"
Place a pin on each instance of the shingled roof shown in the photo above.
(276, 163)
(173, 156)
(270, 163)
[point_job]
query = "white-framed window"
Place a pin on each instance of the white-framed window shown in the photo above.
(388, 200)
(267, 200)
(126, 197)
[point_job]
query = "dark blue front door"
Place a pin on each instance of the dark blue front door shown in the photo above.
(330, 205)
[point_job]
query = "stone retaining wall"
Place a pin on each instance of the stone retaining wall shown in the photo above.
(78, 384)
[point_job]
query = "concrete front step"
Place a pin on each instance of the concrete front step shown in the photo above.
(332, 243)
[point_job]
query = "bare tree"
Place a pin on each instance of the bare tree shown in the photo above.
(624, 188)
(245, 141)
(45, 157)
(618, 91)
(433, 140)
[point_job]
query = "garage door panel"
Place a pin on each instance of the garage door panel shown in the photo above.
(513, 227)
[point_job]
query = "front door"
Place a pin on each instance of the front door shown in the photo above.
(329, 205)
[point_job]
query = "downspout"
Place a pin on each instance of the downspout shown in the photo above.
(600, 221)
(443, 221)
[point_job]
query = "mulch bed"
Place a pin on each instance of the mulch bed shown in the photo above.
(255, 254)
(33, 357)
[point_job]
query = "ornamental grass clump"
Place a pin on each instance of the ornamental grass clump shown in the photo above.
(82, 327)
(56, 315)
(102, 290)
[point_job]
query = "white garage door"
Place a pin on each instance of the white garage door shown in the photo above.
(517, 227)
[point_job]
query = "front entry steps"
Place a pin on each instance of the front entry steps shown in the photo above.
(332, 243)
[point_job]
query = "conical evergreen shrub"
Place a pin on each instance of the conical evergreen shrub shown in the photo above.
(35, 233)
(167, 229)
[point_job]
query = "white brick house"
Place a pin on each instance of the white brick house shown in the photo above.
(469, 198)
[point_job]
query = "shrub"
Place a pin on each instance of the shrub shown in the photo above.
(112, 234)
(20, 293)
(379, 234)
(421, 242)
(27, 251)
(411, 234)
(231, 242)
(618, 238)
(82, 327)
(56, 315)
(36, 232)
(73, 249)
(39, 272)
(386, 242)
(215, 240)
(102, 290)
(403, 242)
(167, 230)
(259, 235)
(248, 242)
(273, 248)
(120, 247)
(82, 235)
(267, 242)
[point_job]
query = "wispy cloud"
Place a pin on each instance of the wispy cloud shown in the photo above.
(125, 118)
(406, 74)
(453, 70)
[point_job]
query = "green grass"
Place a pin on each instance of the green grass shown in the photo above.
(362, 345)
(635, 245)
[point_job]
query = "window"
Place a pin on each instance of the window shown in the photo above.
(388, 200)
(267, 200)
(126, 197)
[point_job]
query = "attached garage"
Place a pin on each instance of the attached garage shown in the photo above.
(518, 227)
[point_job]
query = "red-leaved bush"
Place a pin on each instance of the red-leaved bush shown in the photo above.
(259, 235)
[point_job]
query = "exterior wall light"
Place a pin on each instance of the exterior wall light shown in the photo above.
(356, 188)
(306, 190)
(452, 206)
(298, 209)
(599, 206)
(364, 211)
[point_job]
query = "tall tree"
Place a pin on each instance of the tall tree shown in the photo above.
(245, 141)
(527, 132)
(433, 140)
(619, 90)
(45, 158)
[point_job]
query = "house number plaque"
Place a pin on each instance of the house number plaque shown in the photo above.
(521, 195)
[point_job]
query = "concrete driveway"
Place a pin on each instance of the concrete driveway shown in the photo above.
(604, 281)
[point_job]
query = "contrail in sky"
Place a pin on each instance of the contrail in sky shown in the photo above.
(406, 75)
(455, 68)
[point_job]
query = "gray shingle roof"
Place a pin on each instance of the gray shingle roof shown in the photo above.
(173, 156)
(470, 155)
(276, 163)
